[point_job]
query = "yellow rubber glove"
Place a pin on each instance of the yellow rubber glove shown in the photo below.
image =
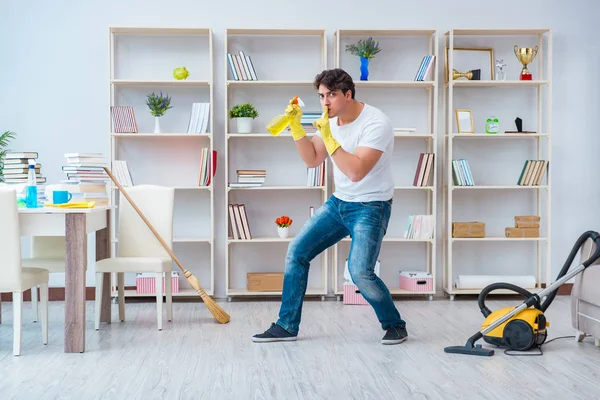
(293, 109)
(322, 124)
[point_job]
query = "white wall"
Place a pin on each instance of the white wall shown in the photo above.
(54, 74)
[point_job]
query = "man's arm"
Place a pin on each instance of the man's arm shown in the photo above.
(356, 166)
(313, 152)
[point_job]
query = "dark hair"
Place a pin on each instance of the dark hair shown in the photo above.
(336, 79)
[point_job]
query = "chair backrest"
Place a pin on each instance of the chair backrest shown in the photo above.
(587, 249)
(48, 246)
(135, 238)
(10, 241)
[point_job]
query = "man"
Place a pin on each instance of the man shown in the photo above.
(359, 139)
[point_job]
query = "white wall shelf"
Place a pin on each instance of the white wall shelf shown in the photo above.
(391, 87)
(285, 191)
(142, 61)
(496, 160)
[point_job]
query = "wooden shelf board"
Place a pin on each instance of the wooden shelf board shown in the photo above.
(489, 83)
(413, 135)
(386, 32)
(498, 291)
(498, 135)
(271, 239)
(160, 31)
(413, 188)
(179, 187)
(398, 239)
(162, 135)
(262, 135)
(499, 239)
(498, 187)
(394, 84)
(277, 32)
(131, 82)
(394, 291)
(500, 32)
(245, 292)
(278, 188)
(269, 83)
(183, 292)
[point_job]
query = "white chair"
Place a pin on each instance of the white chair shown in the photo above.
(47, 252)
(13, 277)
(139, 250)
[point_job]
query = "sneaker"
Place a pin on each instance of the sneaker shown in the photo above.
(394, 335)
(274, 334)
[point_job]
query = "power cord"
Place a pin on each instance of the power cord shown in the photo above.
(525, 353)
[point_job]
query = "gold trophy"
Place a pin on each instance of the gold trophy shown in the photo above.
(470, 75)
(525, 55)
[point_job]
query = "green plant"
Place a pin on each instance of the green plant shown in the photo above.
(158, 104)
(364, 48)
(4, 139)
(243, 110)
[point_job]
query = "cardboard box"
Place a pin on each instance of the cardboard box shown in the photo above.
(353, 296)
(522, 232)
(416, 281)
(527, 221)
(473, 229)
(265, 281)
(145, 283)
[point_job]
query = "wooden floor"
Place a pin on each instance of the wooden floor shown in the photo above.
(338, 355)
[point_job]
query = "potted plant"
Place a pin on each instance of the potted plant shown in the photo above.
(4, 139)
(283, 226)
(243, 114)
(158, 105)
(366, 50)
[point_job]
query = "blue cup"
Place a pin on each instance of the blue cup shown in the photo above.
(61, 197)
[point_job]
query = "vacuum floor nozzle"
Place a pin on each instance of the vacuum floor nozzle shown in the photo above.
(470, 350)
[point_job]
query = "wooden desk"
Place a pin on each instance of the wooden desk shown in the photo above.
(74, 224)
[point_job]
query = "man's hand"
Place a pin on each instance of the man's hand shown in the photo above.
(296, 128)
(322, 124)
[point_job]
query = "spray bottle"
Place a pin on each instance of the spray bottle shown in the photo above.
(31, 200)
(280, 122)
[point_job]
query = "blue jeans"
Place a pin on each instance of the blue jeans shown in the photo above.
(367, 223)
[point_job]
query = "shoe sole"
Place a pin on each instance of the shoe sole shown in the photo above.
(266, 340)
(397, 341)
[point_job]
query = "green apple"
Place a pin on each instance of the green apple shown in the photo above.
(180, 73)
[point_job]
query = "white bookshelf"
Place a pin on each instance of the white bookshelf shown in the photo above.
(286, 62)
(496, 160)
(142, 61)
(410, 104)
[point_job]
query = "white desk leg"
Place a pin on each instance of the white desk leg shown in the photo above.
(76, 260)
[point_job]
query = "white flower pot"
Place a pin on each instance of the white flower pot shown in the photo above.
(156, 124)
(283, 231)
(244, 124)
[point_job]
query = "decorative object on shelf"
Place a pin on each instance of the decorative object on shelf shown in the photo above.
(519, 125)
(366, 50)
(500, 74)
(525, 55)
(473, 75)
(471, 59)
(283, 226)
(158, 105)
(244, 114)
(464, 121)
(492, 125)
(4, 139)
(181, 73)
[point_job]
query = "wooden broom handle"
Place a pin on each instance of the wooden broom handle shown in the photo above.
(160, 239)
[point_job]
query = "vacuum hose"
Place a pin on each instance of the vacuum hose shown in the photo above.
(595, 236)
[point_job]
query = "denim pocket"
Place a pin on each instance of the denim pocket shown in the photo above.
(372, 204)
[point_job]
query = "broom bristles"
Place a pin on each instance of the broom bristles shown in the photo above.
(219, 314)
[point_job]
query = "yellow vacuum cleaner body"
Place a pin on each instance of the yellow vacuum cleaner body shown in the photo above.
(523, 331)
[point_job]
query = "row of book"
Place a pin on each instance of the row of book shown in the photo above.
(420, 227)
(238, 222)
(199, 118)
(424, 71)
(461, 173)
(208, 166)
(249, 178)
(424, 172)
(241, 67)
(124, 121)
(533, 172)
(316, 176)
(16, 167)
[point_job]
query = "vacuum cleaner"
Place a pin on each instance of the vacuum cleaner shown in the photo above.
(524, 327)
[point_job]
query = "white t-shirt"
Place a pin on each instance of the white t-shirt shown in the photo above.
(374, 129)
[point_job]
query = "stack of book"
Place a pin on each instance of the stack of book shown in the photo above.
(461, 173)
(16, 166)
(249, 178)
(86, 178)
(241, 67)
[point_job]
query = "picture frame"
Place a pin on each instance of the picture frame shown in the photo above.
(464, 121)
(471, 58)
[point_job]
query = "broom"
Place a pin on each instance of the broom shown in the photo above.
(212, 306)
